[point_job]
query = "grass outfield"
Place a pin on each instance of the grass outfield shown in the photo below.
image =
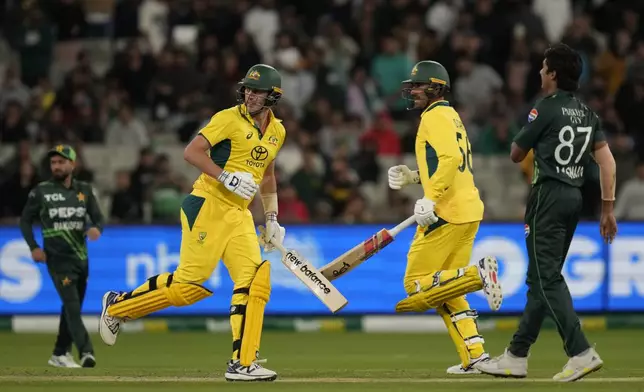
(329, 361)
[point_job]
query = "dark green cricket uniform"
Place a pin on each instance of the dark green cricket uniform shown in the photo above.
(563, 132)
(65, 215)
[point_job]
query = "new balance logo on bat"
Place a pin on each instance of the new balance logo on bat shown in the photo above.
(298, 264)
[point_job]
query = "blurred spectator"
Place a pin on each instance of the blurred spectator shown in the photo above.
(127, 130)
(389, 68)
(13, 127)
(308, 181)
(383, 135)
(340, 185)
(262, 23)
(292, 209)
(142, 178)
(630, 203)
(496, 138)
(69, 17)
(124, 208)
(35, 41)
(166, 192)
(475, 84)
(13, 89)
(13, 193)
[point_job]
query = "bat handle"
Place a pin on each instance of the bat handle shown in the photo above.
(402, 226)
(279, 247)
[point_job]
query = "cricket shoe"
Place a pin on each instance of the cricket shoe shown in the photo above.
(88, 360)
(254, 372)
(488, 271)
(109, 326)
(458, 370)
(505, 365)
(580, 366)
(63, 361)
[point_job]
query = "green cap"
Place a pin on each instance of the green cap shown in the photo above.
(64, 151)
(430, 72)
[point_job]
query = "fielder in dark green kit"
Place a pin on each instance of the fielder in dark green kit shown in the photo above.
(565, 135)
(68, 213)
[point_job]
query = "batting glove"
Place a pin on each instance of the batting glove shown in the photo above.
(424, 212)
(240, 183)
(400, 175)
(273, 232)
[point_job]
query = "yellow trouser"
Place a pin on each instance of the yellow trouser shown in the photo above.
(210, 231)
(447, 248)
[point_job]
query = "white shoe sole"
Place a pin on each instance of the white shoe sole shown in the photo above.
(489, 270)
(108, 337)
(249, 378)
(505, 373)
(595, 366)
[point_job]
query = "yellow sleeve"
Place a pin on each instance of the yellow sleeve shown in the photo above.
(217, 129)
(437, 156)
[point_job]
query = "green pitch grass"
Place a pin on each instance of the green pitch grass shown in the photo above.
(334, 362)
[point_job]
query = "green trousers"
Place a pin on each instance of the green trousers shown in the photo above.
(551, 218)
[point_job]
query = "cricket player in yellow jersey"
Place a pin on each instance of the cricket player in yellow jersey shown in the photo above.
(235, 152)
(448, 217)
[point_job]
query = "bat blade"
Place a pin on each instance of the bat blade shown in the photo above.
(357, 255)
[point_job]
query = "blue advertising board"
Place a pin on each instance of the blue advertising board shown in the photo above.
(601, 277)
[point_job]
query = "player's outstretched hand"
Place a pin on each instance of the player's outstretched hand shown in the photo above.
(38, 255)
(424, 212)
(240, 183)
(400, 175)
(608, 227)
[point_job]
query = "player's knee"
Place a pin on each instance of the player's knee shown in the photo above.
(182, 294)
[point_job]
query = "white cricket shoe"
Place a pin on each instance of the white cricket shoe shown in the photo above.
(580, 366)
(63, 361)
(109, 326)
(505, 365)
(488, 271)
(254, 372)
(460, 370)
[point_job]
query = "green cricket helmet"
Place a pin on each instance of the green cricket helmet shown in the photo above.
(264, 78)
(430, 74)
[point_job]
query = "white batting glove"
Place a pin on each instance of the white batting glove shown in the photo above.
(400, 175)
(424, 212)
(240, 183)
(272, 233)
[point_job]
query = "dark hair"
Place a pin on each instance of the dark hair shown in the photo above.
(566, 62)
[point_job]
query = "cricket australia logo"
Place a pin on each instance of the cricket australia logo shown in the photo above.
(254, 75)
(202, 237)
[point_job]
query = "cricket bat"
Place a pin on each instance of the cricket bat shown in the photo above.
(359, 254)
(312, 278)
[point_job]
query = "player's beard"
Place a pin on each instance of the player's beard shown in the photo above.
(60, 175)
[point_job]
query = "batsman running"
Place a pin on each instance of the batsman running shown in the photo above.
(448, 217)
(564, 134)
(235, 151)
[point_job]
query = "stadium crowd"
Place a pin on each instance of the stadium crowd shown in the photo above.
(142, 75)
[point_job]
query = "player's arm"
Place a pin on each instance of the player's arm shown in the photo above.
(196, 154)
(438, 157)
(28, 216)
(607, 179)
(94, 213)
(268, 190)
(526, 139)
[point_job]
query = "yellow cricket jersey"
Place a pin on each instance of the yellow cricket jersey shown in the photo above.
(444, 158)
(237, 145)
